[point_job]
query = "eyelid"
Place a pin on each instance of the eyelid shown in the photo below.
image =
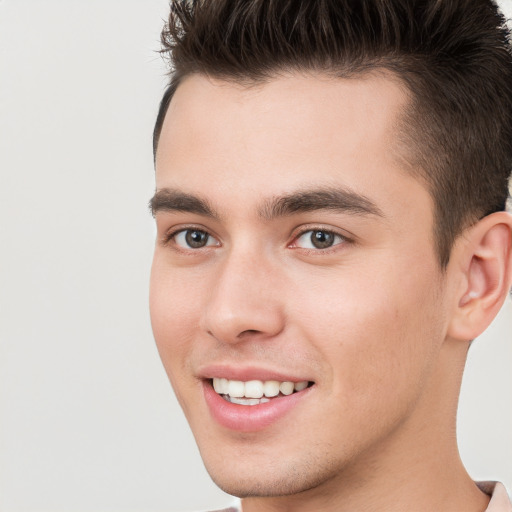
(171, 233)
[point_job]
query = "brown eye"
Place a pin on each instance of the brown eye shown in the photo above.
(322, 239)
(194, 239)
(318, 239)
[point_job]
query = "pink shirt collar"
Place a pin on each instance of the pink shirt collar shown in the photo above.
(500, 501)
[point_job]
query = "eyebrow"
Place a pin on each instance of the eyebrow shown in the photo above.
(334, 199)
(339, 200)
(170, 200)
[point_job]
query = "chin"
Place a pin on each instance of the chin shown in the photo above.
(263, 487)
(272, 479)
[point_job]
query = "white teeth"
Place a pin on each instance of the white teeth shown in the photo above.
(299, 386)
(271, 388)
(236, 389)
(286, 388)
(217, 386)
(221, 386)
(255, 390)
(248, 401)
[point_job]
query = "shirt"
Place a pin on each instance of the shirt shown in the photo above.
(500, 501)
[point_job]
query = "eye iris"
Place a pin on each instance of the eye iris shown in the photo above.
(322, 239)
(196, 239)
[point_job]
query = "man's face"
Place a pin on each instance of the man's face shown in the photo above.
(294, 247)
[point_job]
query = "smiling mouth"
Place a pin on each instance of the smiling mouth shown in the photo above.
(255, 392)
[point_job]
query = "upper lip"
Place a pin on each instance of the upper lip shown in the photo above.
(247, 373)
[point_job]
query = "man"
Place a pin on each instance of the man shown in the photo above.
(331, 180)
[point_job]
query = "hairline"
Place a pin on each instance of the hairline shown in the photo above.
(380, 66)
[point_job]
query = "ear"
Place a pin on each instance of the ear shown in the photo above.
(484, 264)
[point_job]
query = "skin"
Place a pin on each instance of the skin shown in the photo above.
(372, 320)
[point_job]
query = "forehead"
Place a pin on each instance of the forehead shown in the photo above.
(233, 142)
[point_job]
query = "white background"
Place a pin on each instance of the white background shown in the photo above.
(87, 419)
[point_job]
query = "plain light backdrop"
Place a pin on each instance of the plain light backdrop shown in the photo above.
(88, 421)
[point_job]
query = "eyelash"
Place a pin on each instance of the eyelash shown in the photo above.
(343, 239)
(170, 238)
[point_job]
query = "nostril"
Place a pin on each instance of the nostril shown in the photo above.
(247, 332)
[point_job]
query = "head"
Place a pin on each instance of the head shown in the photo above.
(331, 180)
(454, 58)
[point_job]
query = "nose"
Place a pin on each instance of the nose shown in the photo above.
(245, 301)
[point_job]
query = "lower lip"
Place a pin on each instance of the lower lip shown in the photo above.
(250, 418)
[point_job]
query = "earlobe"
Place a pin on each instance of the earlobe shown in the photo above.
(485, 261)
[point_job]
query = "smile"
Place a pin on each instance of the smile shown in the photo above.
(253, 405)
(255, 392)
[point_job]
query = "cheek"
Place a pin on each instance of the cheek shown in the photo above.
(174, 320)
(379, 338)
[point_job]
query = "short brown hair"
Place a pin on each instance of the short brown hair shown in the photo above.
(453, 55)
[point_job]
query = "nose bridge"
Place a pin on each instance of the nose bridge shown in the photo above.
(244, 298)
